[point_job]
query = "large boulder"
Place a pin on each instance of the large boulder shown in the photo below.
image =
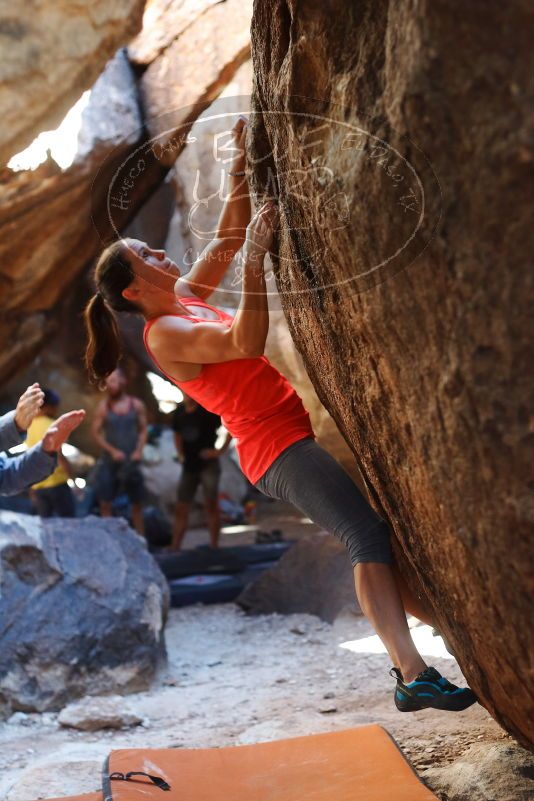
(56, 51)
(206, 53)
(400, 143)
(54, 222)
(82, 611)
(44, 244)
(282, 352)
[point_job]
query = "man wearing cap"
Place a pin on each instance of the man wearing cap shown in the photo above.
(52, 497)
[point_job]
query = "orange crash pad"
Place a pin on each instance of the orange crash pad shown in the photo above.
(362, 764)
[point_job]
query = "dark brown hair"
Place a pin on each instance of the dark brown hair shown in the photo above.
(113, 273)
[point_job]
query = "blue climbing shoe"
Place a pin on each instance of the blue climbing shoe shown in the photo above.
(430, 689)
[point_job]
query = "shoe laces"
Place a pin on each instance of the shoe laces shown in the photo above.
(432, 675)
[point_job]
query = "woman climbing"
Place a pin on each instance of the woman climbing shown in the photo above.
(218, 359)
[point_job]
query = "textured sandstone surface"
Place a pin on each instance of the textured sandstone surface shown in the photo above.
(204, 55)
(163, 22)
(502, 771)
(403, 264)
(46, 232)
(53, 223)
(51, 53)
(281, 351)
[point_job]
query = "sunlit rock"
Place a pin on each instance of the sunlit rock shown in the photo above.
(485, 771)
(51, 53)
(112, 117)
(405, 246)
(53, 224)
(103, 712)
(163, 22)
(47, 236)
(204, 56)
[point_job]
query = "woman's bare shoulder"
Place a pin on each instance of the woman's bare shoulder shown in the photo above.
(166, 332)
(167, 342)
(169, 322)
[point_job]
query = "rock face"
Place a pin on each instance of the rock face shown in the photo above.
(200, 182)
(112, 118)
(52, 52)
(281, 351)
(164, 22)
(403, 270)
(199, 53)
(44, 245)
(82, 608)
(314, 577)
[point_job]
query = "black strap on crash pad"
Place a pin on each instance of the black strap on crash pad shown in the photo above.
(127, 777)
(107, 777)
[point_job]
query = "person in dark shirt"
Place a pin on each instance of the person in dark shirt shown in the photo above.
(195, 432)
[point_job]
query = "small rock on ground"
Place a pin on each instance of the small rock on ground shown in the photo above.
(103, 712)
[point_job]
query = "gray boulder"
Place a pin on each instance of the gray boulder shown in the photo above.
(314, 576)
(82, 611)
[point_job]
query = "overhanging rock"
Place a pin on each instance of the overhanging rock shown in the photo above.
(54, 223)
(400, 143)
(53, 52)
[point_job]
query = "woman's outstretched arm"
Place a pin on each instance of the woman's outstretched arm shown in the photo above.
(236, 211)
(203, 343)
(210, 267)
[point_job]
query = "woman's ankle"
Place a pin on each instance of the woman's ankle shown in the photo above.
(411, 670)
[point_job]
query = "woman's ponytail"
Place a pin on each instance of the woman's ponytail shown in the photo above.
(103, 349)
(113, 273)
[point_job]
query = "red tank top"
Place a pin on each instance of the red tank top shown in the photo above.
(257, 405)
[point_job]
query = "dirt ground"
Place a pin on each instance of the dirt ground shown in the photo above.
(233, 679)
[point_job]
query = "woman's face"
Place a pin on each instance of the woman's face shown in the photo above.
(153, 266)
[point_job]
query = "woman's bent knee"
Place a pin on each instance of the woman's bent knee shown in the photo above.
(370, 545)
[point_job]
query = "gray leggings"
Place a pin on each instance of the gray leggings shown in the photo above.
(308, 477)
